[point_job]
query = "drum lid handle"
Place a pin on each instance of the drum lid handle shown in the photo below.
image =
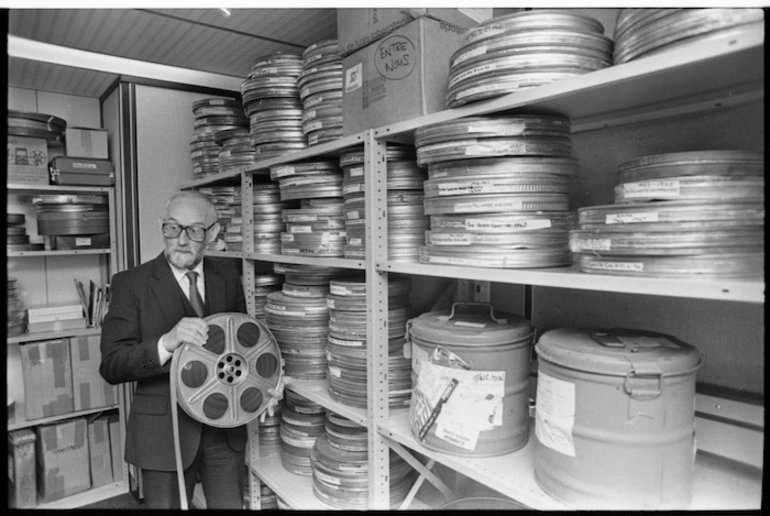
(472, 306)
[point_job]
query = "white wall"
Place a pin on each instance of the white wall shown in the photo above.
(164, 121)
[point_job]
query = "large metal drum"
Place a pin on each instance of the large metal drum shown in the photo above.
(471, 371)
(615, 419)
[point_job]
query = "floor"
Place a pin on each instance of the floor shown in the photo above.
(124, 501)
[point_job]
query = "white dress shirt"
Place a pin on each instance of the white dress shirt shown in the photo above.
(184, 283)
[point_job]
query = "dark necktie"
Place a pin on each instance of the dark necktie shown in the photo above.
(195, 297)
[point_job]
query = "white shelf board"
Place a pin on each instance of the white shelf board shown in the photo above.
(23, 423)
(511, 474)
(718, 483)
(16, 187)
(20, 254)
(314, 151)
(295, 490)
(711, 68)
(232, 176)
(87, 497)
(343, 263)
(49, 335)
(744, 290)
(224, 254)
(318, 392)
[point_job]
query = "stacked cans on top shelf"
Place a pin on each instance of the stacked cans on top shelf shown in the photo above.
(211, 117)
(346, 350)
(644, 32)
(302, 421)
(320, 89)
(36, 125)
(227, 201)
(340, 464)
(271, 101)
(316, 227)
(523, 50)
(407, 221)
(235, 148)
(497, 191)
(682, 214)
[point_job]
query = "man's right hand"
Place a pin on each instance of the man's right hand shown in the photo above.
(189, 329)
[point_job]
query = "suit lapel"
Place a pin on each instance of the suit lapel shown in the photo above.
(172, 306)
(215, 289)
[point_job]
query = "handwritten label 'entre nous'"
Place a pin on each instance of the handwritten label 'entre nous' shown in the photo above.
(395, 57)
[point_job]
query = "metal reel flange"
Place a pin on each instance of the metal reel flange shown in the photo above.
(225, 382)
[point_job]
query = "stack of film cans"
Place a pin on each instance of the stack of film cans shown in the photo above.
(346, 350)
(340, 466)
(211, 117)
(269, 432)
(18, 239)
(407, 221)
(299, 319)
(497, 191)
(268, 496)
(320, 90)
(72, 216)
(17, 314)
(271, 101)
(227, 201)
(681, 214)
(36, 125)
(523, 50)
(645, 32)
(264, 284)
(302, 421)
(235, 148)
(267, 209)
(316, 227)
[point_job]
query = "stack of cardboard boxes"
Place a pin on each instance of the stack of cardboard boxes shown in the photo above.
(69, 456)
(397, 61)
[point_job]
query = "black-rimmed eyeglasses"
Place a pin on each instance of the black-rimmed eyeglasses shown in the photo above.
(196, 233)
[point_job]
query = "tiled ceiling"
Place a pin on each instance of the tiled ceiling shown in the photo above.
(198, 39)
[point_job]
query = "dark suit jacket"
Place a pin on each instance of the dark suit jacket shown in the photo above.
(145, 303)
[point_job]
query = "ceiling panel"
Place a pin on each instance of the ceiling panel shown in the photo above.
(198, 39)
(37, 75)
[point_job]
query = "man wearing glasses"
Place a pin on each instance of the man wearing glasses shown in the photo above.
(154, 308)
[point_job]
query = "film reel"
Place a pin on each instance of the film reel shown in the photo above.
(225, 383)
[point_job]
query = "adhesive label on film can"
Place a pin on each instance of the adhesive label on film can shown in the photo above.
(555, 414)
(626, 218)
(658, 189)
(616, 266)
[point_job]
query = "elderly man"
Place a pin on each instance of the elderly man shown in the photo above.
(154, 308)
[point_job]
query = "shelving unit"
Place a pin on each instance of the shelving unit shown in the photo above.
(109, 264)
(701, 78)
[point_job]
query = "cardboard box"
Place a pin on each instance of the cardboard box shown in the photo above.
(63, 468)
(27, 161)
(47, 373)
(22, 491)
(116, 447)
(15, 381)
(86, 142)
(357, 28)
(89, 388)
(402, 76)
(99, 451)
